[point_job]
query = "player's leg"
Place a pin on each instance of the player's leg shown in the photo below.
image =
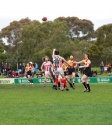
(63, 83)
(88, 85)
(45, 77)
(55, 81)
(30, 79)
(50, 76)
(73, 79)
(69, 81)
(84, 77)
(57, 72)
(61, 72)
(59, 81)
(54, 86)
(28, 76)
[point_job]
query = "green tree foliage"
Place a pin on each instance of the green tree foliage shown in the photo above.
(80, 48)
(12, 34)
(42, 38)
(102, 47)
(79, 28)
(107, 54)
(3, 55)
(95, 51)
(28, 40)
(104, 35)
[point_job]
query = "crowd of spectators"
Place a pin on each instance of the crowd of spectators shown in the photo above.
(105, 69)
(7, 70)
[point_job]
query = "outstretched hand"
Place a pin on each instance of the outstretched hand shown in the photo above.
(54, 49)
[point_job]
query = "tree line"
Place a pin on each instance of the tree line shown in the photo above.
(30, 40)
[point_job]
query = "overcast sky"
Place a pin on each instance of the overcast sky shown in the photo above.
(98, 11)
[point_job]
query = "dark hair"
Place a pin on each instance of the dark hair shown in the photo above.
(88, 55)
(43, 59)
(56, 52)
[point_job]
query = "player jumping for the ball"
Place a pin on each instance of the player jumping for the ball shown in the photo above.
(57, 64)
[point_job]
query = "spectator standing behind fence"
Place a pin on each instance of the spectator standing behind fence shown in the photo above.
(35, 65)
(23, 68)
(2, 67)
(20, 67)
(4, 72)
(5, 66)
(36, 68)
(8, 67)
(105, 69)
(101, 67)
(109, 68)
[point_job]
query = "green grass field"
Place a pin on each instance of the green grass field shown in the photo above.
(36, 105)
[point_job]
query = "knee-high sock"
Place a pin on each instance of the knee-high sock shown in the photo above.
(71, 80)
(58, 84)
(84, 85)
(88, 86)
(51, 80)
(70, 83)
(53, 77)
(31, 80)
(56, 81)
(64, 82)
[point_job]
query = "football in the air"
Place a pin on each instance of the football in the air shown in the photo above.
(44, 18)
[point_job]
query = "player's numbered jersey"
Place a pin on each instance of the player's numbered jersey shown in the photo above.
(47, 66)
(57, 61)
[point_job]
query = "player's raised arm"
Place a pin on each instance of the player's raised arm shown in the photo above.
(53, 53)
